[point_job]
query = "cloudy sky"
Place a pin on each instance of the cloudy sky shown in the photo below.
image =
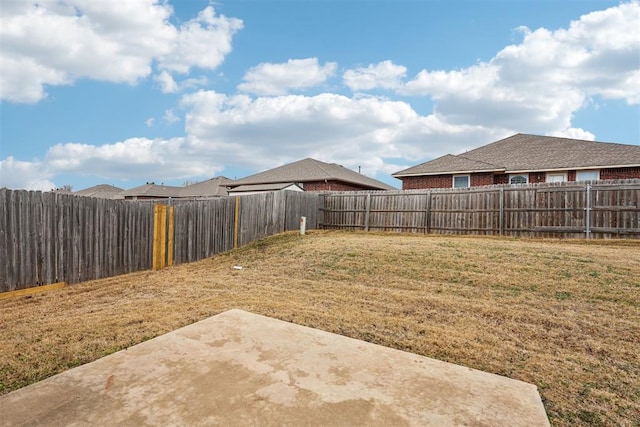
(125, 92)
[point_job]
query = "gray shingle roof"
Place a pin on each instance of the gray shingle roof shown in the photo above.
(262, 187)
(311, 170)
(103, 191)
(214, 187)
(152, 190)
(521, 153)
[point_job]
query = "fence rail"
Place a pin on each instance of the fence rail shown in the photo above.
(52, 237)
(603, 209)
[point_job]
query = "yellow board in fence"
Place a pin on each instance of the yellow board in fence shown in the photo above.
(162, 236)
(31, 291)
(170, 236)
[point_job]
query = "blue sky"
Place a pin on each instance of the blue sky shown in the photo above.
(128, 92)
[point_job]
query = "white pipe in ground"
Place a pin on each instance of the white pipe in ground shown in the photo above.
(303, 225)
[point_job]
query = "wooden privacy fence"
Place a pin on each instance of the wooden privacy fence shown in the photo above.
(204, 228)
(53, 237)
(602, 209)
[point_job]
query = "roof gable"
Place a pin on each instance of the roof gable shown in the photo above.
(309, 170)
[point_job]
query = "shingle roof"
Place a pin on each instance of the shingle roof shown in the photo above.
(262, 187)
(522, 152)
(214, 187)
(152, 190)
(311, 170)
(451, 164)
(103, 191)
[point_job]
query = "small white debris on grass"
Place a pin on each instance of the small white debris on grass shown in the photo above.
(237, 267)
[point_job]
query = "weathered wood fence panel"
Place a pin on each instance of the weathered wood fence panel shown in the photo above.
(52, 237)
(202, 228)
(602, 209)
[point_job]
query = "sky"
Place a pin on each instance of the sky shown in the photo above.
(125, 92)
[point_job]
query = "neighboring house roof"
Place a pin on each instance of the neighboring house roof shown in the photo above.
(152, 190)
(311, 170)
(263, 187)
(454, 164)
(214, 187)
(103, 191)
(530, 153)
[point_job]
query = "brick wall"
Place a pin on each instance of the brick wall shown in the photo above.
(478, 179)
(431, 181)
(501, 179)
(535, 177)
(620, 173)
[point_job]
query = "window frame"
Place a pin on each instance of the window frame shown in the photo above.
(564, 176)
(453, 180)
(515, 175)
(596, 171)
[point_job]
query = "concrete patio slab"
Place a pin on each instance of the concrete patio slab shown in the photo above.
(239, 368)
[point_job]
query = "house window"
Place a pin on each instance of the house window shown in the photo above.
(556, 177)
(518, 179)
(589, 175)
(461, 181)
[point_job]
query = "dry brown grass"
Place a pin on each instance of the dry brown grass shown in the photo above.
(564, 315)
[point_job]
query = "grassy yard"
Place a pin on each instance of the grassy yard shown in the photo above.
(564, 315)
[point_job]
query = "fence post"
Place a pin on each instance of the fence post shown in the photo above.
(367, 210)
(236, 220)
(501, 218)
(587, 230)
(427, 220)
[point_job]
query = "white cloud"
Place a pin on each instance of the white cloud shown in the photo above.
(154, 159)
(574, 133)
(114, 41)
(166, 82)
(385, 75)
(537, 85)
(258, 132)
(280, 79)
(32, 175)
(202, 42)
(170, 117)
(149, 122)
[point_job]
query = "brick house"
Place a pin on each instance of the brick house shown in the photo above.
(311, 175)
(521, 159)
